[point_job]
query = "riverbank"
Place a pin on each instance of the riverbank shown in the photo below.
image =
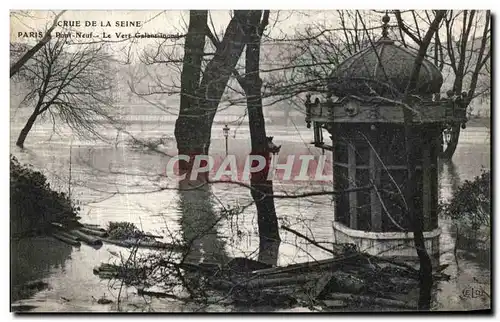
(45, 205)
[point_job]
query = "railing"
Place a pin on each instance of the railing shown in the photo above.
(380, 110)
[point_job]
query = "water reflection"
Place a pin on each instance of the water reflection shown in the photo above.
(449, 179)
(474, 243)
(453, 176)
(33, 259)
(198, 223)
(99, 170)
(466, 252)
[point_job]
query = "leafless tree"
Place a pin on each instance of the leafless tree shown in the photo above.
(190, 77)
(465, 54)
(14, 68)
(72, 83)
(416, 216)
(252, 84)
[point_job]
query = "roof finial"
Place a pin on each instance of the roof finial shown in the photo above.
(385, 26)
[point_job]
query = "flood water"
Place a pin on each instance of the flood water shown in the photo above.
(114, 182)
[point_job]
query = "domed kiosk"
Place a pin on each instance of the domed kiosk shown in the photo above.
(364, 115)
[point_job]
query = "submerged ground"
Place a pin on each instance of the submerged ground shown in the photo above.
(103, 173)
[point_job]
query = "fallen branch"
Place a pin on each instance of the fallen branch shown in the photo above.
(321, 284)
(310, 240)
(93, 232)
(142, 244)
(151, 236)
(93, 226)
(91, 240)
(330, 263)
(143, 292)
(257, 283)
(120, 243)
(371, 300)
(65, 239)
(386, 260)
(14, 69)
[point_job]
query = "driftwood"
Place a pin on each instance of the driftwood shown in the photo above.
(151, 236)
(376, 259)
(351, 276)
(93, 232)
(120, 243)
(257, 283)
(91, 240)
(93, 226)
(98, 228)
(329, 264)
(371, 300)
(56, 225)
(65, 239)
(143, 292)
(141, 243)
(322, 283)
(197, 268)
(348, 283)
(110, 271)
(270, 282)
(66, 234)
(392, 262)
(156, 244)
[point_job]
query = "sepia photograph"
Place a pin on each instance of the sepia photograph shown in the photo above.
(250, 161)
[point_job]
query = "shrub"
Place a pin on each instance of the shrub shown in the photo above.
(33, 204)
(470, 205)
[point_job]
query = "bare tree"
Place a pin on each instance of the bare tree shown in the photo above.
(14, 69)
(305, 61)
(195, 107)
(73, 83)
(190, 77)
(411, 156)
(465, 53)
(196, 140)
(262, 188)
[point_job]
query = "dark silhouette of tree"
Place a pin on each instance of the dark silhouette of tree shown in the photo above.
(190, 78)
(199, 116)
(262, 187)
(411, 157)
(74, 86)
(14, 69)
(468, 56)
(199, 101)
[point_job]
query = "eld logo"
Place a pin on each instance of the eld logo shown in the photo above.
(474, 293)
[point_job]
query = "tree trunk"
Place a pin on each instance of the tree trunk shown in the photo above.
(220, 69)
(187, 123)
(416, 217)
(447, 153)
(461, 69)
(410, 137)
(262, 189)
(193, 127)
(26, 129)
(14, 69)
